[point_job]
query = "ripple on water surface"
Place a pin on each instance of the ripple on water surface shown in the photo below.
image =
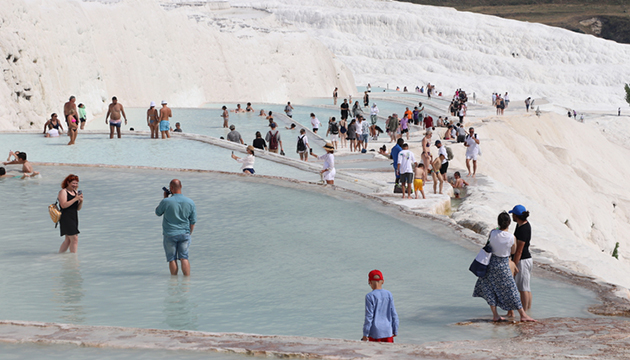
(267, 257)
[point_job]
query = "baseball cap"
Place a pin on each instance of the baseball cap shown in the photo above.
(375, 275)
(273, 125)
(518, 210)
(232, 127)
(437, 142)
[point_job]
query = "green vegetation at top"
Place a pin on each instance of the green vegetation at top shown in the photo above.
(609, 19)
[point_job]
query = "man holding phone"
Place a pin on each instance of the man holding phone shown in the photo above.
(178, 223)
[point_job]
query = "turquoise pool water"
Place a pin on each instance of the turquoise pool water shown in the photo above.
(139, 151)
(267, 257)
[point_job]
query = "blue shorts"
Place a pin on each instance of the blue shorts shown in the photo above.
(115, 123)
(251, 170)
(364, 137)
(176, 247)
(165, 125)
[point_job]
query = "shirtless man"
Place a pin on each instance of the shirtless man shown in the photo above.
(165, 115)
(113, 114)
(20, 158)
(152, 120)
(239, 109)
(70, 105)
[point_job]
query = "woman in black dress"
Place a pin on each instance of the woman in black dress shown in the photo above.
(70, 202)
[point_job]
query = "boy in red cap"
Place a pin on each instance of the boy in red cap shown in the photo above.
(381, 319)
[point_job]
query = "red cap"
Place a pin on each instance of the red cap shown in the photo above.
(375, 275)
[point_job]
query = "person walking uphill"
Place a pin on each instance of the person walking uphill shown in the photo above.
(381, 319)
(178, 223)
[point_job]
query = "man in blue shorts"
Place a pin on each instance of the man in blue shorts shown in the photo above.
(178, 223)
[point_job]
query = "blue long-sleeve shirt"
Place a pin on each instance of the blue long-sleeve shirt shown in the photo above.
(381, 319)
(179, 213)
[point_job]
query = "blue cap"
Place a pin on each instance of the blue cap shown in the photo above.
(518, 210)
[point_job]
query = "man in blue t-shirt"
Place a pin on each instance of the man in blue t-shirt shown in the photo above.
(178, 223)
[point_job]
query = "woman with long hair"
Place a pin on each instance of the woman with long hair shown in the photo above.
(70, 202)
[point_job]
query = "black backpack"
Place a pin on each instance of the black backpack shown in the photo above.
(300, 145)
(334, 128)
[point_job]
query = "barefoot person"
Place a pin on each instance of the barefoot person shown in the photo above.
(73, 125)
(522, 257)
(328, 170)
(248, 161)
(52, 127)
(472, 151)
(82, 115)
(178, 222)
(113, 114)
(497, 287)
(165, 125)
(70, 202)
(406, 159)
(152, 120)
(226, 116)
(70, 105)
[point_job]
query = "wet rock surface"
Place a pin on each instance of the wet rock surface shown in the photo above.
(554, 338)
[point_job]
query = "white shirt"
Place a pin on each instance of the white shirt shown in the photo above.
(247, 161)
(442, 151)
(473, 147)
(305, 139)
(329, 160)
(501, 242)
(315, 122)
(405, 161)
(365, 127)
(358, 127)
(374, 110)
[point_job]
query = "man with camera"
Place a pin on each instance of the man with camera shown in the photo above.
(178, 223)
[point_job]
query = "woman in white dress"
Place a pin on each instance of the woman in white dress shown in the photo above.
(328, 170)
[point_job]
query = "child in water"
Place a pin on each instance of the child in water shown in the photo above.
(381, 319)
(458, 183)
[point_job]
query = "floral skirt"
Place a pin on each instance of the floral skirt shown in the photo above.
(498, 287)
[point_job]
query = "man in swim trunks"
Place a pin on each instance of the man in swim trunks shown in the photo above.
(113, 114)
(165, 125)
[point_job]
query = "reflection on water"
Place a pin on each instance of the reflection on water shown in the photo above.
(68, 290)
(179, 311)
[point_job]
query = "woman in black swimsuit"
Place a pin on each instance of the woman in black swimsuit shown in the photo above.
(53, 123)
(70, 202)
